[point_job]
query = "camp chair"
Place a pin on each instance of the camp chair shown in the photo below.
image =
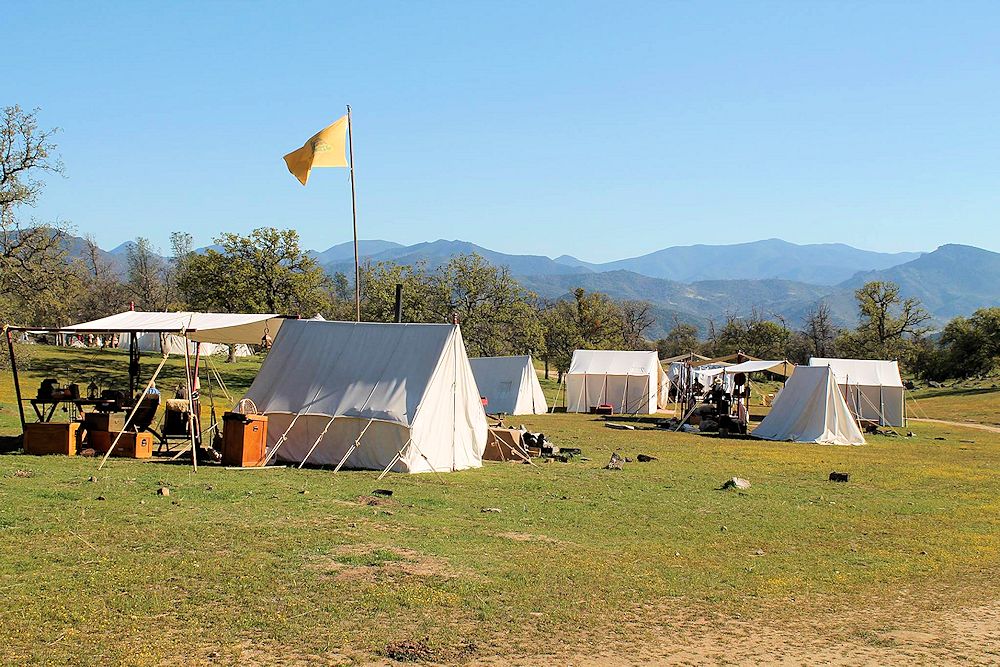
(143, 416)
(175, 424)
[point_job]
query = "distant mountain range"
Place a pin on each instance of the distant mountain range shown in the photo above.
(696, 283)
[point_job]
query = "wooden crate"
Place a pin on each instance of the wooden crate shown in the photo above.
(42, 438)
(244, 440)
(104, 421)
(131, 445)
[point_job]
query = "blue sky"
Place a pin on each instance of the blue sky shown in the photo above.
(602, 130)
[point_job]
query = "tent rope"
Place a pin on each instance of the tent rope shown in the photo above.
(281, 440)
(316, 444)
(357, 443)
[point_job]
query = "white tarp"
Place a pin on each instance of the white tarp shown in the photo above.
(174, 344)
(509, 384)
(811, 409)
(779, 367)
(409, 385)
(681, 374)
(872, 388)
(629, 381)
(230, 328)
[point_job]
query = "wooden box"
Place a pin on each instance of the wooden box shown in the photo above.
(244, 439)
(131, 445)
(51, 438)
(104, 421)
(99, 441)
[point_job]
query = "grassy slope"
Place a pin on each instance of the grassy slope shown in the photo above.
(234, 558)
(972, 401)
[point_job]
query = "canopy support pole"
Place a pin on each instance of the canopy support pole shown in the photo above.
(17, 382)
(316, 444)
(190, 392)
(135, 408)
(357, 443)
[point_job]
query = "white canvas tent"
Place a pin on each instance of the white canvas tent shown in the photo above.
(632, 382)
(811, 409)
(173, 344)
(510, 385)
(396, 397)
(872, 388)
(235, 328)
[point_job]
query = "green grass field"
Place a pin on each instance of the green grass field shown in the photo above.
(285, 566)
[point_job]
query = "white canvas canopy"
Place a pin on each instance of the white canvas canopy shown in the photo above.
(229, 328)
(398, 397)
(780, 367)
(811, 409)
(682, 374)
(174, 344)
(510, 385)
(632, 382)
(872, 388)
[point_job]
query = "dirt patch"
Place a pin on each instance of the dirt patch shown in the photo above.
(368, 562)
(375, 501)
(975, 425)
(412, 650)
(894, 633)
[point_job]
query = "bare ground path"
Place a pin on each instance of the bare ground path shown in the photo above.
(975, 425)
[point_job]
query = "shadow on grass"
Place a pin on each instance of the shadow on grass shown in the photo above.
(956, 391)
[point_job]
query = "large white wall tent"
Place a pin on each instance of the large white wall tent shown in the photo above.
(510, 385)
(632, 382)
(372, 396)
(873, 388)
(811, 409)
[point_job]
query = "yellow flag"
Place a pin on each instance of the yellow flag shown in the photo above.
(324, 149)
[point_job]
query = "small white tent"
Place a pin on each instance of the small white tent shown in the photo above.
(161, 343)
(372, 396)
(510, 385)
(632, 382)
(872, 388)
(811, 409)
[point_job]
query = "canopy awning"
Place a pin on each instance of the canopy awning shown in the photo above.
(779, 367)
(226, 328)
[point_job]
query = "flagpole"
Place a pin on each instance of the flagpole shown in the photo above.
(354, 215)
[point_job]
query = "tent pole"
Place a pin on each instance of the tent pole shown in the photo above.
(17, 382)
(354, 218)
(190, 393)
(135, 408)
(316, 444)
